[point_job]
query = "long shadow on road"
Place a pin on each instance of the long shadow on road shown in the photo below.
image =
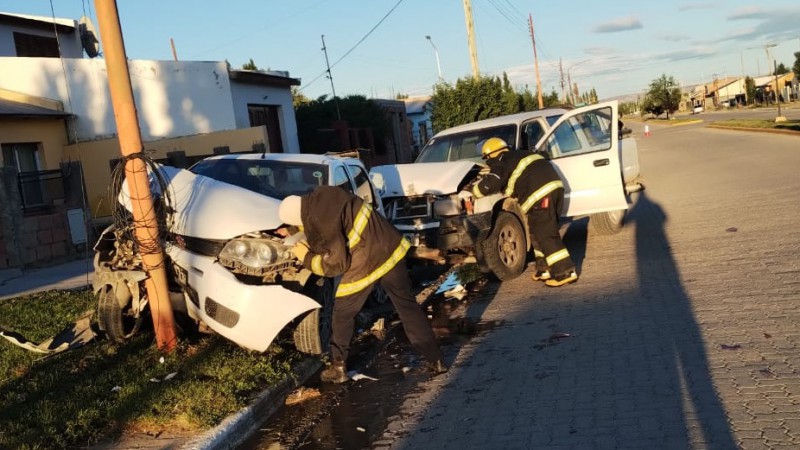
(615, 361)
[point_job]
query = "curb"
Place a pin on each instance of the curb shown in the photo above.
(237, 428)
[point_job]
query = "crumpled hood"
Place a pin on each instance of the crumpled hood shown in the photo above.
(422, 178)
(210, 209)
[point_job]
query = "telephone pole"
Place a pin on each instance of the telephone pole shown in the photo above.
(330, 77)
(473, 50)
(130, 141)
(536, 63)
(561, 71)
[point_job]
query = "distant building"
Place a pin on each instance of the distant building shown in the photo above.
(418, 110)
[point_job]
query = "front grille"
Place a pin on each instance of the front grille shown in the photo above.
(221, 314)
(412, 207)
(205, 247)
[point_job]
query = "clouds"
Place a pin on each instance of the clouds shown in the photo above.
(693, 6)
(617, 25)
(773, 25)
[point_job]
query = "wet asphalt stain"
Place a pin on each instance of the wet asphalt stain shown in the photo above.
(356, 413)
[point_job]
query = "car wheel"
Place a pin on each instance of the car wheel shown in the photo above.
(115, 313)
(313, 334)
(609, 222)
(505, 249)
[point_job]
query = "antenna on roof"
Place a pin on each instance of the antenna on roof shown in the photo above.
(89, 40)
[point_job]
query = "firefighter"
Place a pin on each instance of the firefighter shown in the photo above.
(533, 182)
(346, 237)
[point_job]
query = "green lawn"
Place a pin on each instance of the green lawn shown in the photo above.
(79, 397)
(792, 125)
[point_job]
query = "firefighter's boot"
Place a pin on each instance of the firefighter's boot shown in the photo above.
(565, 278)
(334, 373)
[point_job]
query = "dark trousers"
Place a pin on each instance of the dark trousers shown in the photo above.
(543, 222)
(397, 285)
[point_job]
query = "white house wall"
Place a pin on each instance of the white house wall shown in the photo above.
(244, 94)
(173, 98)
(70, 42)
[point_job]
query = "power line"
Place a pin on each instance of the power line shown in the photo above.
(355, 45)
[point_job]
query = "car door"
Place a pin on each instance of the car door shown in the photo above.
(584, 147)
(364, 187)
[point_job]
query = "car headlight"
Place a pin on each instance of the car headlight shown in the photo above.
(253, 252)
(447, 206)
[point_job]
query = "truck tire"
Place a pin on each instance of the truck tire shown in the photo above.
(608, 222)
(313, 334)
(506, 247)
(115, 315)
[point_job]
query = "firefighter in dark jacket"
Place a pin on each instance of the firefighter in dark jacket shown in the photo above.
(535, 184)
(346, 237)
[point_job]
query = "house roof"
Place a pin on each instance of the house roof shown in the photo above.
(416, 105)
(40, 22)
(17, 110)
(271, 78)
(770, 79)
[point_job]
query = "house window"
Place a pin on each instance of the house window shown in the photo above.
(25, 159)
(268, 115)
(31, 45)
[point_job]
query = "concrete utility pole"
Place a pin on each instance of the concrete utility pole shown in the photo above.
(536, 63)
(174, 53)
(473, 50)
(130, 141)
(561, 71)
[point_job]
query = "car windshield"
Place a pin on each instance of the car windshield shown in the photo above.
(276, 179)
(464, 146)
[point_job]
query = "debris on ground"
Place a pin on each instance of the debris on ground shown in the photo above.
(77, 334)
(458, 292)
(732, 230)
(355, 376)
(301, 394)
(730, 347)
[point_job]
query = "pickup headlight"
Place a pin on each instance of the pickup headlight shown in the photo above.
(447, 206)
(256, 253)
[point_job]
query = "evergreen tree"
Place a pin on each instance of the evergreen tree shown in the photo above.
(249, 65)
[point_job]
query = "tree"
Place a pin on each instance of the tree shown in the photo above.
(472, 99)
(750, 89)
(315, 117)
(249, 65)
(664, 96)
(796, 67)
(298, 98)
(781, 70)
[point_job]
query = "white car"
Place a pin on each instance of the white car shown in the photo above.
(229, 271)
(426, 201)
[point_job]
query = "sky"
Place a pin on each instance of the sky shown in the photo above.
(378, 48)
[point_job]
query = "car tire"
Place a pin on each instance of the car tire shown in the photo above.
(313, 334)
(506, 248)
(608, 222)
(115, 315)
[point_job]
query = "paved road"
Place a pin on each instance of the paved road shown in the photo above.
(683, 330)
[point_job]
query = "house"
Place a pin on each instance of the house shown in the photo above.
(418, 110)
(56, 110)
(767, 85)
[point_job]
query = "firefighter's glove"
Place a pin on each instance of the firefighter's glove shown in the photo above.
(300, 250)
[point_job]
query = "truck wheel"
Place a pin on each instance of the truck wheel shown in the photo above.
(313, 334)
(115, 313)
(609, 222)
(505, 249)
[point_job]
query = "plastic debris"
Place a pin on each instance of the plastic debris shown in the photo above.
(361, 429)
(116, 389)
(355, 376)
(457, 292)
(379, 325)
(161, 360)
(730, 347)
(406, 369)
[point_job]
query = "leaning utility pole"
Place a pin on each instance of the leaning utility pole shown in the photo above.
(473, 50)
(561, 72)
(330, 77)
(536, 63)
(130, 141)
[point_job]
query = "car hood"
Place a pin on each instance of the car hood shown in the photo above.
(423, 178)
(210, 209)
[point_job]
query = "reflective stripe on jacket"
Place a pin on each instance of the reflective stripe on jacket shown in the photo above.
(528, 177)
(346, 238)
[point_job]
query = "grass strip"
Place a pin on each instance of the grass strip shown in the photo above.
(97, 392)
(791, 125)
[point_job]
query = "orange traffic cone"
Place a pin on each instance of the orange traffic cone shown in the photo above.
(647, 131)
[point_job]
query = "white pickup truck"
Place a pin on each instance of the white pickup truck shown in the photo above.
(598, 166)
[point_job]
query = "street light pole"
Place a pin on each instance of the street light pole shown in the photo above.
(436, 53)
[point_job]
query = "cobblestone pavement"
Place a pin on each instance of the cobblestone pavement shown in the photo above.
(683, 331)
